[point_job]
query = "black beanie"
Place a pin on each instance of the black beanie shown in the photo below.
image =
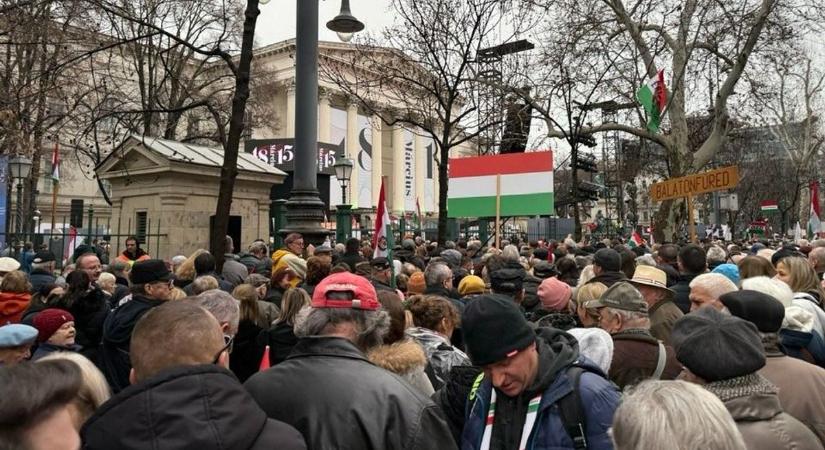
(756, 307)
(494, 328)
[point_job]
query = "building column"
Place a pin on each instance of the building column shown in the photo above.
(377, 159)
(290, 111)
(397, 169)
(324, 126)
(420, 166)
(352, 152)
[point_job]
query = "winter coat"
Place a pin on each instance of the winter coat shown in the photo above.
(754, 406)
(113, 357)
(12, 306)
(557, 352)
(662, 317)
(682, 290)
(452, 397)
(191, 407)
(406, 359)
(39, 278)
(45, 348)
(26, 259)
(608, 278)
(247, 350)
(274, 295)
(90, 312)
(254, 264)
(233, 272)
(338, 399)
(441, 355)
(635, 355)
(140, 255)
(812, 305)
(281, 340)
(671, 272)
(805, 345)
(801, 388)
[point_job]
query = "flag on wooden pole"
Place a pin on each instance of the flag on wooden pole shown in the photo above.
(55, 176)
(526, 185)
(814, 225)
(653, 98)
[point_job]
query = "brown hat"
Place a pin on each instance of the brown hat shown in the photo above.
(416, 283)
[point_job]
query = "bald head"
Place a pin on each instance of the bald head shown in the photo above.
(817, 259)
(171, 335)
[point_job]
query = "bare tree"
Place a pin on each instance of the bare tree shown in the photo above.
(422, 73)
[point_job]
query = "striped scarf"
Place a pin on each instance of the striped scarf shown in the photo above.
(529, 422)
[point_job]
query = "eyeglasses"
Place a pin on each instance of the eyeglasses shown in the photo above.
(229, 341)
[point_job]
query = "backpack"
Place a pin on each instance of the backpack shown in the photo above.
(570, 407)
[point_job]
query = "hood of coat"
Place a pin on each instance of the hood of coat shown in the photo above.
(401, 357)
(748, 398)
(557, 350)
(12, 303)
(797, 318)
(204, 404)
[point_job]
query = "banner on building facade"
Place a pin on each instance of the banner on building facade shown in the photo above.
(430, 202)
(363, 199)
(409, 171)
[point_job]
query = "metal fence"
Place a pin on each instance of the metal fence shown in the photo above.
(63, 239)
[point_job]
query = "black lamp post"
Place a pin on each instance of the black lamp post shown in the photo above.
(305, 210)
(344, 24)
(343, 222)
(19, 168)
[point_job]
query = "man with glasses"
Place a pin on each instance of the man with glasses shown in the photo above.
(151, 287)
(182, 395)
(293, 243)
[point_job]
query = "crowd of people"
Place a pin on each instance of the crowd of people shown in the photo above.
(539, 345)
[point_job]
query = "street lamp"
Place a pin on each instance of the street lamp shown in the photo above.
(343, 222)
(305, 210)
(19, 168)
(344, 24)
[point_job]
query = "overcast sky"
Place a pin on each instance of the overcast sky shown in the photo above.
(277, 20)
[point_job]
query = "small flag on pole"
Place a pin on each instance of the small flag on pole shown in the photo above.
(382, 219)
(814, 225)
(769, 206)
(264, 360)
(635, 240)
(55, 176)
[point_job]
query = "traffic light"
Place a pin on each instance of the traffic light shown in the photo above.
(586, 162)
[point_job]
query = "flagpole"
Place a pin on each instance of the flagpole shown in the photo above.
(498, 211)
(55, 188)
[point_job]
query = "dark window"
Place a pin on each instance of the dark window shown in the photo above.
(76, 213)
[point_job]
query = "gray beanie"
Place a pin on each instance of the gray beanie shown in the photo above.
(717, 346)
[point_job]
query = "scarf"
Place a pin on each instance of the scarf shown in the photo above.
(529, 422)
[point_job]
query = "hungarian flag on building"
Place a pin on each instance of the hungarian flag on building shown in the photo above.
(769, 206)
(653, 98)
(526, 185)
(814, 225)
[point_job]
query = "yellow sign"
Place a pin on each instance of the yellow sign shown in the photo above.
(712, 180)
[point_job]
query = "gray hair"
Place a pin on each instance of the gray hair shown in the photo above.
(223, 306)
(340, 248)
(715, 254)
(370, 326)
(775, 288)
(716, 284)
(204, 283)
(646, 260)
(510, 252)
(437, 273)
(258, 247)
(674, 414)
(178, 260)
(630, 319)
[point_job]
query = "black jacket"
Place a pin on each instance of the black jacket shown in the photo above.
(608, 278)
(90, 312)
(671, 272)
(255, 264)
(682, 289)
(113, 358)
(281, 340)
(338, 399)
(351, 259)
(193, 407)
(40, 278)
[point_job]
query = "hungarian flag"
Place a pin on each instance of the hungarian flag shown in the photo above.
(814, 225)
(653, 97)
(55, 164)
(382, 219)
(526, 185)
(635, 240)
(769, 206)
(417, 215)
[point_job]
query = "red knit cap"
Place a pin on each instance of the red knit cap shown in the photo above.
(50, 320)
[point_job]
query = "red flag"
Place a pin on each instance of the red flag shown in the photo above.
(265, 360)
(382, 219)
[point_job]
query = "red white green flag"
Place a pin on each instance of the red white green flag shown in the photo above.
(55, 164)
(526, 185)
(635, 239)
(769, 206)
(653, 98)
(814, 225)
(382, 219)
